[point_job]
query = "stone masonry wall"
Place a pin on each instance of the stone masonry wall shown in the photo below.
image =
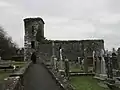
(34, 32)
(72, 49)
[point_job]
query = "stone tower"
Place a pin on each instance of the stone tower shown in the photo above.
(34, 34)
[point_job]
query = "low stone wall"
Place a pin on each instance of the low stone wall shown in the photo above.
(15, 80)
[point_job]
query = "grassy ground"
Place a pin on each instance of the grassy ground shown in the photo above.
(3, 75)
(78, 68)
(86, 83)
(75, 68)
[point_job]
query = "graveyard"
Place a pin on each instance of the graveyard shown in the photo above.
(8, 68)
(61, 64)
(75, 64)
(3, 75)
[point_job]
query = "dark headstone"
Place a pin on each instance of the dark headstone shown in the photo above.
(114, 61)
(67, 68)
(118, 57)
(110, 68)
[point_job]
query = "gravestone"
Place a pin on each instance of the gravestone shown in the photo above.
(77, 62)
(118, 57)
(93, 61)
(83, 64)
(0, 59)
(52, 61)
(80, 62)
(103, 74)
(114, 61)
(55, 64)
(98, 65)
(67, 68)
(61, 60)
(85, 61)
(103, 68)
(110, 68)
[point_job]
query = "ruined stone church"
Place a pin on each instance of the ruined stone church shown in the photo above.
(34, 40)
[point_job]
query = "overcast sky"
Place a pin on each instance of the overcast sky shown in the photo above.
(65, 19)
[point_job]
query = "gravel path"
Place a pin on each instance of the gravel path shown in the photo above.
(38, 78)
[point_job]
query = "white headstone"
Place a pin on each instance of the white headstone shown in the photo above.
(61, 59)
(55, 63)
(103, 66)
(83, 62)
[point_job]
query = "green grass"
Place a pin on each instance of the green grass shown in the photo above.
(85, 83)
(75, 69)
(3, 75)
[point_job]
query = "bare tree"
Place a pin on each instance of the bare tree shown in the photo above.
(7, 46)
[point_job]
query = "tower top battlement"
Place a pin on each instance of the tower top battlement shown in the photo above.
(34, 19)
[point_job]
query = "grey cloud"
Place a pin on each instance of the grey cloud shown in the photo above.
(83, 19)
(114, 6)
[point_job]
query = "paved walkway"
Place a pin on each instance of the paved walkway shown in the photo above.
(38, 78)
